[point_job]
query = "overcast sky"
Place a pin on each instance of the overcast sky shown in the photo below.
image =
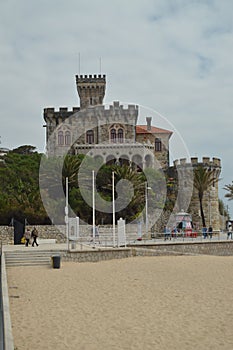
(171, 56)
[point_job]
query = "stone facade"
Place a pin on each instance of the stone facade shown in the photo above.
(184, 172)
(93, 126)
(112, 134)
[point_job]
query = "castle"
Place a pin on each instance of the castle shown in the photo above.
(94, 126)
(112, 134)
(183, 170)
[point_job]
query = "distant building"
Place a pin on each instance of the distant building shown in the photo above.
(3, 151)
(113, 133)
(93, 125)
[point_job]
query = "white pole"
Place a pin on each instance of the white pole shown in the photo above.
(209, 209)
(113, 210)
(66, 212)
(93, 205)
(146, 204)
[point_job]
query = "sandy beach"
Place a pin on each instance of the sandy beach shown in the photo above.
(183, 302)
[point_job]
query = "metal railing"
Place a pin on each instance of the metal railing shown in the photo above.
(2, 347)
(7, 342)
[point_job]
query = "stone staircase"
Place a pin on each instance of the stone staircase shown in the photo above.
(29, 258)
(106, 236)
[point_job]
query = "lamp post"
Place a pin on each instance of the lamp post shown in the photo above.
(209, 209)
(93, 205)
(146, 204)
(67, 212)
(113, 209)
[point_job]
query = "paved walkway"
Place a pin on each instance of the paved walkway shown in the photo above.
(64, 246)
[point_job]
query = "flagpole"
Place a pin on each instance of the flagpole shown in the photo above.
(113, 209)
(93, 205)
(66, 213)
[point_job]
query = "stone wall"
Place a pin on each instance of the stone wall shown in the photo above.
(223, 248)
(59, 233)
(47, 231)
(96, 255)
(183, 169)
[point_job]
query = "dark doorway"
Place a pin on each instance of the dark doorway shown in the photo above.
(18, 231)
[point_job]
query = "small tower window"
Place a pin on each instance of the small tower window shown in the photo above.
(120, 135)
(67, 138)
(90, 137)
(60, 138)
(113, 135)
(158, 145)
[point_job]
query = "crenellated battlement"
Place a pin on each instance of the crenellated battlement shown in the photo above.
(90, 78)
(61, 110)
(91, 89)
(52, 112)
(205, 161)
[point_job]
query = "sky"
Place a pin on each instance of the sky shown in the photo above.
(170, 56)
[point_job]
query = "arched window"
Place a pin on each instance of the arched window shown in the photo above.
(60, 138)
(113, 135)
(120, 135)
(67, 138)
(90, 136)
(158, 145)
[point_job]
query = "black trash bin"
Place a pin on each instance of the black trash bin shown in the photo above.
(56, 260)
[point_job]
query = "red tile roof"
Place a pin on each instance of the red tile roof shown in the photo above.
(142, 129)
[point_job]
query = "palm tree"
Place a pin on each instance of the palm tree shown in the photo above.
(229, 188)
(137, 181)
(203, 179)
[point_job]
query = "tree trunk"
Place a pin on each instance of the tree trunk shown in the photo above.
(202, 211)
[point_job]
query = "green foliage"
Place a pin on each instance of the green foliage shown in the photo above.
(203, 179)
(222, 208)
(19, 188)
(229, 188)
(26, 149)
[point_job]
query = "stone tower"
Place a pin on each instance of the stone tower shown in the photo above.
(184, 171)
(91, 89)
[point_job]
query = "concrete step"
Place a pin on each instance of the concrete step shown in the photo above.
(29, 258)
(28, 263)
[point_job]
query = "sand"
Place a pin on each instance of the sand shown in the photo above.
(137, 303)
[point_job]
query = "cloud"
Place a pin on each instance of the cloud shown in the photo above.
(174, 56)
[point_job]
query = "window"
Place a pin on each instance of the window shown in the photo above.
(60, 138)
(158, 145)
(120, 135)
(113, 135)
(90, 136)
(67, 138)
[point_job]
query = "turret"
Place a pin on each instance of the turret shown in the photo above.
(91, 89)
(184, 175)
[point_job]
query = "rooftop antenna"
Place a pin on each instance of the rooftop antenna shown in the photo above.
(100, 65)
(79, 63)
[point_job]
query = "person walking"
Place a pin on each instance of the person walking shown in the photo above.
(34, 236)
(204, 232)
(27, 236)
(210, 231)
(229, 233)
(167, 233)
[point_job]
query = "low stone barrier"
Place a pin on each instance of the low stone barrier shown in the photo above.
(218, 248)
(96, 255)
